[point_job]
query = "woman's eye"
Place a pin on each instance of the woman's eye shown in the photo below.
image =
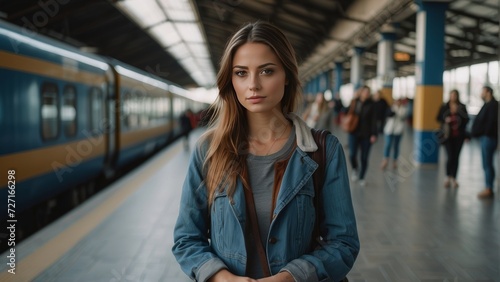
(266, 71)
(240, 73)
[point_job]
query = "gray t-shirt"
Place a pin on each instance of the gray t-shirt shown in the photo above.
(261, 179)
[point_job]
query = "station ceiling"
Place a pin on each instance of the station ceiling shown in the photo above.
(321, 31)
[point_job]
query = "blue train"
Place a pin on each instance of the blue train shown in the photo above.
(69, 118)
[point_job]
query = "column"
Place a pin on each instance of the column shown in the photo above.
(429, 68)
(385, 65)
(357, 68)
(339, 68)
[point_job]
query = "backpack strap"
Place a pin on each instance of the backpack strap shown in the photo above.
(319, 156)
(319, 179)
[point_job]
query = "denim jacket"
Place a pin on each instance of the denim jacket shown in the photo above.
(205, 244)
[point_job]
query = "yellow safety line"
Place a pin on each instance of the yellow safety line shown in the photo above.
(45, 256)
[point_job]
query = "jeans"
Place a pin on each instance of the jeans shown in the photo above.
(453, 147)
(488, 147)
(391, 140)
(364, 143)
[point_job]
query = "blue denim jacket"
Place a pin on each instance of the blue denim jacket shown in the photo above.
(204, 244)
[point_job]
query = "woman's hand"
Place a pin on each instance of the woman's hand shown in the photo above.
(373, 139)
(284, 276)
(225, 276)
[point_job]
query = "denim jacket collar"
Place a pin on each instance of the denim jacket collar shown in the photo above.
(305, 139)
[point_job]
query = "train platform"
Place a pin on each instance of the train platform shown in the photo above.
(411, 228)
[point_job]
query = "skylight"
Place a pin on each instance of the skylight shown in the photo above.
(176, 27)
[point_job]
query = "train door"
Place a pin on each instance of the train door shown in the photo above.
(111, 105)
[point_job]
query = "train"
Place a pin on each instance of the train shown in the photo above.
(71, 118)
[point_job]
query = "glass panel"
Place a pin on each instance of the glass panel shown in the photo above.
(68, 111)
(96, 109)
(478, 79)
(493, 78)
(49, 112)
(396, 91)
(410, 87)
(346, 94)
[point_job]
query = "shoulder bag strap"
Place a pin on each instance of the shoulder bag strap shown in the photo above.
(319, 178)
(319, 156)
(256, 232)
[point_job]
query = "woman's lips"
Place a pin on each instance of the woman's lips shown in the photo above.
(256, 99)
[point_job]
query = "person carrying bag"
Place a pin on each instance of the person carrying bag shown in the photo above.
(351, 120)
(250, 208)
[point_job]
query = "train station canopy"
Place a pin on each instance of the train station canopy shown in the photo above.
(183, 40)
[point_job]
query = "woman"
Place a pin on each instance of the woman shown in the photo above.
(317, 114)
(256, 146)
(453, 117)
(364, 135)
(381, 107)
(393, 130)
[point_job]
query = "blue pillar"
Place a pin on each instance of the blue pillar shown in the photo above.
(357, 67)
(429, 69)
(323, 82)
(329, 79)
(338, 76)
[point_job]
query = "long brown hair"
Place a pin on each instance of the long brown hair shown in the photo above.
(228, 145)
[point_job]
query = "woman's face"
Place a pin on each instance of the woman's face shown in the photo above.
(365, 94)
(453, 108)
(258, 78)
(453, 96)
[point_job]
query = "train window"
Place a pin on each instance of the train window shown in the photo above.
(130, 110)
(50, 111)
(167, 108)
(96, 109)
(68, 111)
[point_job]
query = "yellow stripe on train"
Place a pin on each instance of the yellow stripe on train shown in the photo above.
(37, 162)
(132, 138)
(48, 69)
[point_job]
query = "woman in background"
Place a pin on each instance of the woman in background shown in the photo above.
(453, 117)
(393, 131)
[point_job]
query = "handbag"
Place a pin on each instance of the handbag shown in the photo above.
(351, 120)
(443, 133)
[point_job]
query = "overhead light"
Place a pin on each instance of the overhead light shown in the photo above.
(189, 32)
(178, 10)
(175, 26)
(180, 51)
(145, 12)
(166, 34)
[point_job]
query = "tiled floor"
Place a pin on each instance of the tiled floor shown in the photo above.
(413, 229)
(410, 227)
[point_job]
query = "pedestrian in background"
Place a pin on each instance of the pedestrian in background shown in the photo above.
(318, 114)
(364, 135)
(381, 107)
(186, 127)
(453, 117)
(393, 131)
(485, 127)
